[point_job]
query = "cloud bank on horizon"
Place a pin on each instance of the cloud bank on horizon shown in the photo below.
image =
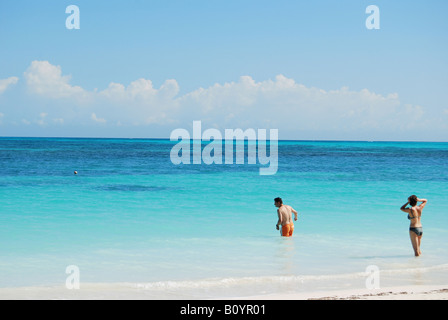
(138, 109)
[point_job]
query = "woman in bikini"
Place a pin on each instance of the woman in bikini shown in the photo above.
(415, 216)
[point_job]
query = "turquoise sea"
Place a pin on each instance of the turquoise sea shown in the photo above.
(205, 231)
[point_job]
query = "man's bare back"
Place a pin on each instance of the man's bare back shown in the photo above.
(284, 213)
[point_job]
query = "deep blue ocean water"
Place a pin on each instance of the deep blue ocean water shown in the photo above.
(131, 215)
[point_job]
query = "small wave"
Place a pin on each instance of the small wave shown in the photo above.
(277, 280)
(231, 282)
(441, 267)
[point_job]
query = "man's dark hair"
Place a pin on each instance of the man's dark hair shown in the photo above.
(278, 200)
(413, 200)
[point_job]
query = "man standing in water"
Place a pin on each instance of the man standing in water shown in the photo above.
(415, 216)
(285, 217)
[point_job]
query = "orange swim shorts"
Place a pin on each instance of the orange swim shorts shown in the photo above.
(287, 230)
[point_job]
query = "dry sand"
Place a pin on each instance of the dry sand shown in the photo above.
(396, 293)
(129, 292)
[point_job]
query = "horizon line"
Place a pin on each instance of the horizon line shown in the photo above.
(168, 139)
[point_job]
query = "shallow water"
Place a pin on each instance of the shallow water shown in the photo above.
(130, 215)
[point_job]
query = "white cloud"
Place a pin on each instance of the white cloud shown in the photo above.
(96, 119)
(5, 83)
(283, 103)
(137, 104)
(139, 89)
(47, 80)
(41, 121)
(142, 91)
(280, 103)
(140, 103)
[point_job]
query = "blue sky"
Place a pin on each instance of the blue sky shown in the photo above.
(143, 68)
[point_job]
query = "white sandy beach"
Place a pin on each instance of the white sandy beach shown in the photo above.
(393, 293)
(131, 292)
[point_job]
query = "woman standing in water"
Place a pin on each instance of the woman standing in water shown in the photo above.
(415, 216)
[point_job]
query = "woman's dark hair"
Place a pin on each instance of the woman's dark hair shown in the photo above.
(278, 200)
(413, 200)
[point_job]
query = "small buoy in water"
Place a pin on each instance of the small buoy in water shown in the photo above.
(76, 172)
